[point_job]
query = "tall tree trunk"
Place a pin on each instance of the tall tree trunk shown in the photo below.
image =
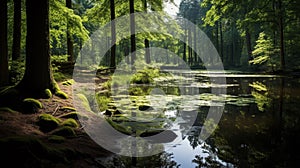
(146, 41)
(4, 79)
(38, 73)
(184, 43)
(189, 48)
(248, 43)
(282, 60)
(70, 46)
(221, 42)
(195, 45)
(16, 48)
(113, 35)
(132, 31)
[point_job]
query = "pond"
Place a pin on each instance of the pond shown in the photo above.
(258, 126)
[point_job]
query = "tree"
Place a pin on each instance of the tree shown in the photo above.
(113, 34)
(70, 48)
(16, 49)
(38, 74)
(3, 44)
(146, 41)
(132, 31)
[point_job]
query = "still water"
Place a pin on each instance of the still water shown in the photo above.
(259, 125)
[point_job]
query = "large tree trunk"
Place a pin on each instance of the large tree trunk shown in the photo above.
(3, 44)
(221, 43)
(38, 74)
(113, 35)
(132, 31)
(16, 48)
(70, 47)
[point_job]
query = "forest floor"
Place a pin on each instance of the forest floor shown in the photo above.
(22, 139)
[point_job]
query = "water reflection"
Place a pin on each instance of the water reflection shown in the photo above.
(259, 128)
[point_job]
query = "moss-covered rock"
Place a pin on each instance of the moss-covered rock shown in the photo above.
(7, 109)
(56, 139)
(64, 131)
(84, 101)
(61, 94)
(68, 82)
(48, 93)
(47, 122)
(66, 108)
(70, 122)
(31, 105)
(74, 115)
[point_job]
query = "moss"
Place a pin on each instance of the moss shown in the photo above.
(64, 131)
(48, 93)
(61, 94)
(70, 122)
(84, 101)
(35, 102)
(47, 122)
(74, 115)
(56, 139)
(65, 108)
(31, 105)
(7, 109)
(68, 82)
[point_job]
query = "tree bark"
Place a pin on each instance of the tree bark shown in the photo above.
(113, 35)
(4, 79)
(146, 41)
(221, 43)
(16, 48)
(282, 60)
(70, 46)
(248, 43)
(38, 74)
(132, 31)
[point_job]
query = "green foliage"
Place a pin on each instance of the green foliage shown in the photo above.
(264, 51)
(65, 131)
(103, 102)
(260, 93)
(145, 76)
(47, 122)
(70, 122)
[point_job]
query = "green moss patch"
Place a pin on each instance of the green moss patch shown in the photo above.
(84, 101)
(31, 105)
(61, 94)
(48, 93)
(70, 122)
(47, 122)
(74, 115)
(65, 108)
(7, 109)
(68, 82)
(64, 131)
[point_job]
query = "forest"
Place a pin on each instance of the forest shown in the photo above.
(149, 83)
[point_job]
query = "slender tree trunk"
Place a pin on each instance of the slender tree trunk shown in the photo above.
(248, 43)
(132, 31)
(195, 45)
(113, 35)
(146, 41)
(282, 60)
(189, 48)
(16, 48)
(221, 43)
(38, 73)
(184, 44)
(70, 47)
(4, 79)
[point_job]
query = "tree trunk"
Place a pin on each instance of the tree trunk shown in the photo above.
(248, 43)
(189, 48)
(221, 43)
(132, 31)
(70, 46)
(146, 41)
(282, 60)
(16, 48)
(113, 35)
(38, 73)
(3, 44)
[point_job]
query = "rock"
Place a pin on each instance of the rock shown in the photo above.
(47, 122)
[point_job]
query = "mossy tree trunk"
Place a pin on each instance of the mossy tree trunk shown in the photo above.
(132, 31)
(3, 44)
(38, 74)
